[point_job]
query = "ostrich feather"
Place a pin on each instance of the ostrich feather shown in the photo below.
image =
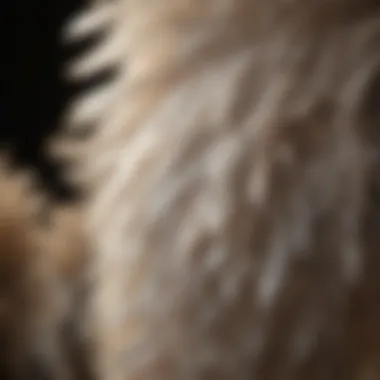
(228, 181)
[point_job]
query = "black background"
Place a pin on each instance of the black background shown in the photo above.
(34, 90)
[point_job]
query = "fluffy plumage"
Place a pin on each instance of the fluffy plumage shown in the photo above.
(232, 189)
(30, 302)
(41, 247)
(65, 242)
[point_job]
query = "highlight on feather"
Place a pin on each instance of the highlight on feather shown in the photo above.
(97, 60)
(81, 118)
(94, 23)
(230, 203)
(89, 22)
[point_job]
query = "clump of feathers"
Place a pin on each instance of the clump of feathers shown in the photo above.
(231, 190)
(231, 180)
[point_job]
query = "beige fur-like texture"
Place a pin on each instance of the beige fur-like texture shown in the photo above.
(233, 193)
(29, 301)
(65, 242)
(41, 249)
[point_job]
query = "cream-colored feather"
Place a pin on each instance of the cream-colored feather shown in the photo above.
(227, 183)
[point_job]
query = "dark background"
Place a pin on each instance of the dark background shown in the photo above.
(34, 91)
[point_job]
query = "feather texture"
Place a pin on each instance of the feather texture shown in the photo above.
(229, 181)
